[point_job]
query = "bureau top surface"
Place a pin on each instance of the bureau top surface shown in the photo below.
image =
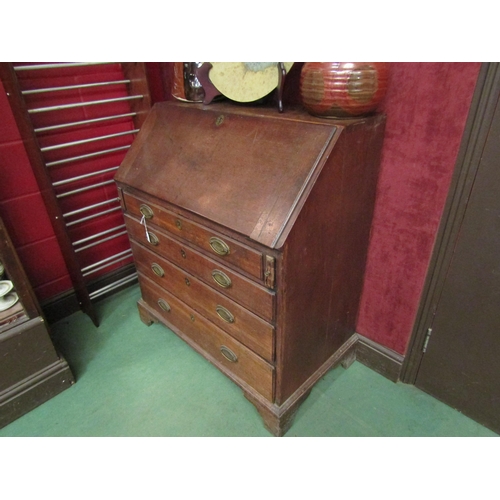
(247, 170)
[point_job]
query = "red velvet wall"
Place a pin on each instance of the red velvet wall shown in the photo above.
(426, 106)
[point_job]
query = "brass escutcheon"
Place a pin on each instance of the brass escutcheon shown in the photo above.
(219, 120)
(221, 278)
(188, 283)
(228, 354)
(183, 254)
(178, 223)
(224, 314)
(157, 269)
(164, 305)
(219, 246)
(146, 211)
(192, 318)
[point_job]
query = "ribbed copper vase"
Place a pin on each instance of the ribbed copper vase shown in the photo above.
(343, 90)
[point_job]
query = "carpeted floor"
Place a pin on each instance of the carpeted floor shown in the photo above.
(134, 380)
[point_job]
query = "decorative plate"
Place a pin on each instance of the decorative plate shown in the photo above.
(8, 301)
(245, 81)
(5, 287)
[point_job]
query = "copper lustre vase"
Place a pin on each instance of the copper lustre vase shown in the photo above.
(343, 90)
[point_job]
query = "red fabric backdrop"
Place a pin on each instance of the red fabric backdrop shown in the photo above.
(427, 106)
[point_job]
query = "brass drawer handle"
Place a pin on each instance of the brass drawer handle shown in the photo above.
(224, 314)
(164, 305)
(157, 269)
(178, 224)
(228, 354)
(218, 246)
(186, 280)
(221, 278)
(152, 238)
(146, 211)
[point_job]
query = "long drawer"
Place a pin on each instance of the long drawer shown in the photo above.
(219, 246)
(239, 322)
(238, 288)
(227, 352)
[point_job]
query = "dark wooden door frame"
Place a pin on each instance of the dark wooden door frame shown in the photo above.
(473, 141)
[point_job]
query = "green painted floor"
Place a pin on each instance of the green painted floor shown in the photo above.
(134, 380)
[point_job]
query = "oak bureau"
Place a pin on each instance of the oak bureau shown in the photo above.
(250, 229)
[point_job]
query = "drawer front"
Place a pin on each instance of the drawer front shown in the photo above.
(240, 323)
(238, 288)
(227, 352)
(219, 246)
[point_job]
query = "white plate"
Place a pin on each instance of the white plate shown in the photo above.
(245, 81)
(8, 301)
(5, 287)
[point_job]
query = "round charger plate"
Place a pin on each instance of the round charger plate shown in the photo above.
(5, 287)
(8, 301)
(245, 81)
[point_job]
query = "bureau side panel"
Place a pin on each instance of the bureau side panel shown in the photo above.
(322, 266)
